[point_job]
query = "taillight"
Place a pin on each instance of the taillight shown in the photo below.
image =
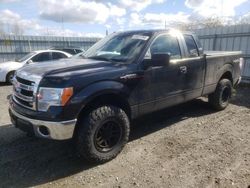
(241, 63)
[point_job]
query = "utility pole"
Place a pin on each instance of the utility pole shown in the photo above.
(63, 30)
(221, 13)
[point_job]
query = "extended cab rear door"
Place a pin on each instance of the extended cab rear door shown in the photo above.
(179, 81)
(193, 62)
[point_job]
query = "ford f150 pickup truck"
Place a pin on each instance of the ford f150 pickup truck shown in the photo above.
(94, 96)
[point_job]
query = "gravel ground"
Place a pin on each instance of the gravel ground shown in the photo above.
(189, 145)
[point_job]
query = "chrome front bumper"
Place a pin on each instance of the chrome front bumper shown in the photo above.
(44, 129)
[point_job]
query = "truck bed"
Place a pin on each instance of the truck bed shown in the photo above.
(223, 53)
(216, 62)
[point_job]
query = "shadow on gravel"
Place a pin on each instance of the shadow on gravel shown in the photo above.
(26, 161)
(164, 118)
(242, 97)
(4, 84)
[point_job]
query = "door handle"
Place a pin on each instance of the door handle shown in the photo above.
(183, 69)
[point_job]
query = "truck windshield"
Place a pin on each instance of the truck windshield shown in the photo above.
(123, 47)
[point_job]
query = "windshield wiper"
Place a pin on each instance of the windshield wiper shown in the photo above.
(118, 59)
(81, 55)
(99, 58)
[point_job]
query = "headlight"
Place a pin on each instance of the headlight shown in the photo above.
(53, 97)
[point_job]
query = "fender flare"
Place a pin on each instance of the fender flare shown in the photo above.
(226, 68)
(97, 89)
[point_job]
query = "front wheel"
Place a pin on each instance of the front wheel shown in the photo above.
(219, 100)
(102, 133)
(9, 77)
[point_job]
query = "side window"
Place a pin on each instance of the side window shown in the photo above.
(45, 56)
(166, 44)
(191, 46)
(70, 51)
(78, 51)
(57, 55)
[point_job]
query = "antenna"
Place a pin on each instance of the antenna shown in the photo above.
(63, 30)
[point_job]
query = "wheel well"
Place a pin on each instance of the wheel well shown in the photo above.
(9, 74)
(108, 99)
(227, 75)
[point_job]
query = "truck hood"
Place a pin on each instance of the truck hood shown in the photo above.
(66, 67)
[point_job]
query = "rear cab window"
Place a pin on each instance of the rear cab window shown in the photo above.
(191, 46)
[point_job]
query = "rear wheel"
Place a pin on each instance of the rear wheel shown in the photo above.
(9, 77)
(102, 134)
(219, 100)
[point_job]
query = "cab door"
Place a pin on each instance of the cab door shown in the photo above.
(162, 85)
(194, 63)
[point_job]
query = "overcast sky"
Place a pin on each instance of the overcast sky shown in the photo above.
(92, 18)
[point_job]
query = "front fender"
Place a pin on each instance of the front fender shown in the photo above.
(97, 89)
(3, 75)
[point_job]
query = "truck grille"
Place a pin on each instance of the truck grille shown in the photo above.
(24, 92)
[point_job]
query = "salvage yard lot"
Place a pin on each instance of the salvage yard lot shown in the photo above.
(189, 145)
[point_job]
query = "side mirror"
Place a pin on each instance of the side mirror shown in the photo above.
(29, 62)
(160, 59)
(193, 53)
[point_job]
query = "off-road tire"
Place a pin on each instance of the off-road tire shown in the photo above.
(219, 100)
(89, 125)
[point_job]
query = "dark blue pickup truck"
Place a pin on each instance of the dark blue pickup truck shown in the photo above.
(93, 97)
